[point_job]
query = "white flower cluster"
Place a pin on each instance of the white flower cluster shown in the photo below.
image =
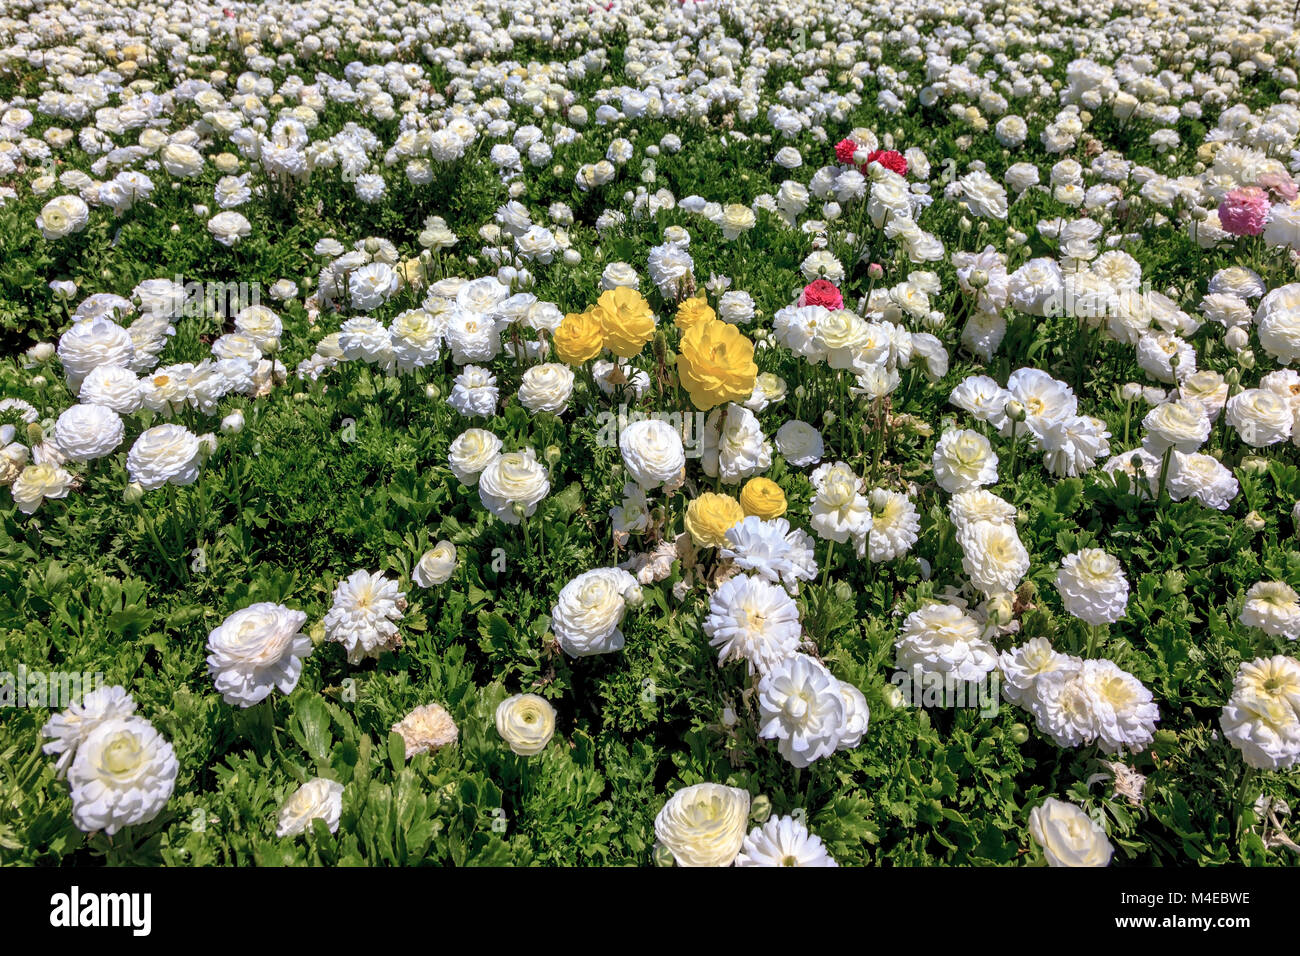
(120, 770)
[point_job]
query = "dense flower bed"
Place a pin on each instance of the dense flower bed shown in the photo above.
(690, 433)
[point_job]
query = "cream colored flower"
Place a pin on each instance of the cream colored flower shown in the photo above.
(526, 723)
(35, 483)
(963, 460)
(993, 556)
(426, 728)
(317, 799)
(436, 566)
(470, 452)
(704, 825)
(1068, 836)
(1274, 608)
(516, 477)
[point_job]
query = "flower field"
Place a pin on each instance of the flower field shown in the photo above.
(649, 433)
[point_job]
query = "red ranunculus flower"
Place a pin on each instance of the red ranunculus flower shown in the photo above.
(844, 151)
(890, 159)
(821, 292)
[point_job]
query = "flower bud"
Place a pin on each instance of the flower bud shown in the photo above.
(35, 434)
(894, 696)
(552, 454)
(233, 423)
(761, 809)
(978, 279)
(133, 493)
(634, 597)
(1131, 391)
(1019, 733)
(519, 509)
(432, 392)
(875, 271)
(663, 856)
(1015, 410)
(1246, 359)
(1236, 338)
(1255, 521)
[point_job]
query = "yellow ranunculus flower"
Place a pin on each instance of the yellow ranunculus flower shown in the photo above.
(412, 272)
(693, 312)
(627, 320)
(763, 497)
(580, 337)
(709, 517)
(716, 364)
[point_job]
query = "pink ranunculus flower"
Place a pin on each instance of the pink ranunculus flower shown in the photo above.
(1280, 184)
(1244, 211)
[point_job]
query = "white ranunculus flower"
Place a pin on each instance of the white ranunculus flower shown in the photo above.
(653, 453)
(1068, 836)
(112, 386)
(1198, 476)
(753, 620)
(37, 482)
(734, 447)
(783, 841)
(1092, 586)
(317, 799)
(1262, 716)
(474, 392)
(800, 443)
(526, 723)
(1274, 608)
(229, 227)
(1260, 417)
(704, 824)
(163, 454)
(800, 706)
(91, 343)
(1022, 666)
(963, 459)
(546, 388)
(839, 510)
(363, 615)
(86, 432)
(993, 556)
(943, 639)
(63, 216)
(895, 526)
(436, 566)
(589, 610)
(1182, 424)
(515, 477)
(470, 452)
(68, 729)
(181, 160)
(124, 773)
(257, 650)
